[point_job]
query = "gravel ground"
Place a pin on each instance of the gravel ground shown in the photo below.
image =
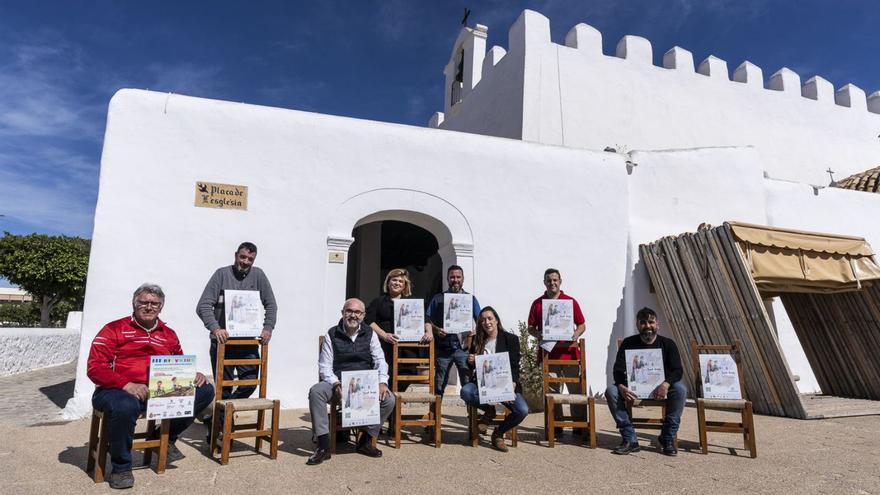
(827, 456)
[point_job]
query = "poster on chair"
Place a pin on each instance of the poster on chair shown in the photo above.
(244, 313)
(644, 371)
(458, 313)
(409, 319)
(558, 316)
(719, 377)
(494, 379)
(172, 388)
(360, 398)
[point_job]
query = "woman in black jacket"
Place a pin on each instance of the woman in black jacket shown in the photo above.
(491, 338)
(380, 317)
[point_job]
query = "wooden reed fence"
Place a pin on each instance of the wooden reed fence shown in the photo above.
(840, 334)
(707, 294)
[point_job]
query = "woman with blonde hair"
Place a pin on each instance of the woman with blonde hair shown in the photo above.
(380, 317)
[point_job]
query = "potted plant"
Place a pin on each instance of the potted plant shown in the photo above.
(531, 373)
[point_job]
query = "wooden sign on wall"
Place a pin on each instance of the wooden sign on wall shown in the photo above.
(227, 196)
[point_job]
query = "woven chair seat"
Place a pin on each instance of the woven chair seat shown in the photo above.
(577, 399)
(422, 397)
(724, 403)
(648, 402)
(255, 404)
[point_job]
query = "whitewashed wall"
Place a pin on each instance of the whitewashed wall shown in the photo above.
(504, 209)
(576, 96)
(28, 349)
(521, 206)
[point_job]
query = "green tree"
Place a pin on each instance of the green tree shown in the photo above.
(50, 268)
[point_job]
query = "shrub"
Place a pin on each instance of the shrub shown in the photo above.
(530, 370)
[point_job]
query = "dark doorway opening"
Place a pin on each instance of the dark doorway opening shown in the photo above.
(382, 246)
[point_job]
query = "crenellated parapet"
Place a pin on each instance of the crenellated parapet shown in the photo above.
(532, 29)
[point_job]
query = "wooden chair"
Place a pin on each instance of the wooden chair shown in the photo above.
(433, 417)
(99, 444)
(551, 422)
(335, 413)
(228, 407)
(747, 424)
(647, 422)
(473, 427)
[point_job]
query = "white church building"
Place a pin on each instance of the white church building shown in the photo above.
(511, 178)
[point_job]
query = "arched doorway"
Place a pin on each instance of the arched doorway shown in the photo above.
(381, 246)
(443, 220)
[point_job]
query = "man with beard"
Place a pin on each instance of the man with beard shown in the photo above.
(241, 275)
(350, 345)
(449, 349)
(673, 390)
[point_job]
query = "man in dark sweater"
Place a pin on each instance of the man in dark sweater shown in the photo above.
(241, 275)
(673, 390)
(349, 345)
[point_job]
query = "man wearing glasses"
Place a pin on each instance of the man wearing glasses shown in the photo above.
(119, 363)
(241, 275)
(350, 345)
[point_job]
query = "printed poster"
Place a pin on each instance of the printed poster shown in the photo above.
(244, 313)
(719, 375)
(409, 319)
(458, 313)
(360, 398)
(494, 379)
(558, 316)
(172, 391)
(644, 370)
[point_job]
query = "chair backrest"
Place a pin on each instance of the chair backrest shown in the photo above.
(261, 361)
(734, 350)
(424, 361)
(581, 363)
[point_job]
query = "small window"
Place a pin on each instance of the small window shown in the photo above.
(457, 83)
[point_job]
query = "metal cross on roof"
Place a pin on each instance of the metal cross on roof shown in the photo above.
(830, 174)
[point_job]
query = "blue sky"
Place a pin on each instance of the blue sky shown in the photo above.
(60, 63)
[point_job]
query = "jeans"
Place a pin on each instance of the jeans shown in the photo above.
(675, 400)
(245, 372)
(121, 411)
(443, 364)
(519, 409)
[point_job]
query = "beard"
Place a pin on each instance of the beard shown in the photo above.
(647, 335)
(352, 324)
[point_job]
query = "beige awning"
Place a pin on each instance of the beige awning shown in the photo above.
(784, 260)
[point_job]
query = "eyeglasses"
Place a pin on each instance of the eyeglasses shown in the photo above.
(151, 304)
(352, 312)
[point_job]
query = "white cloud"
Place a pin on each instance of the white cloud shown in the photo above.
(39, 96)
(185, 78)
(62, 206)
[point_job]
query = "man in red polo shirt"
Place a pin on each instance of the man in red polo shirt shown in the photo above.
(565, 350)
(119, 364)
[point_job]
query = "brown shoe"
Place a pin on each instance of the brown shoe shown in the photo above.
(367, 448)
(498, 442)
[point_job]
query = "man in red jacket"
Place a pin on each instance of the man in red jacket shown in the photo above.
(119, 363)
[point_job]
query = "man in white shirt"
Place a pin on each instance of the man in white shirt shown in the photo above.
(350, 345)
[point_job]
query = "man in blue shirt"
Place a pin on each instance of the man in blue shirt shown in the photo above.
(449, 348)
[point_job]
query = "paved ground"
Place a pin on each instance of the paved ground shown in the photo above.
(38, 396)
(827, 456)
